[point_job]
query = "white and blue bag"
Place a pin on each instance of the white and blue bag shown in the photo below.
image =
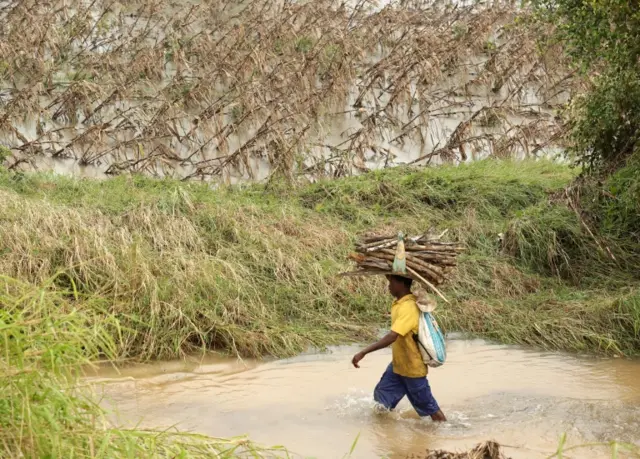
(430, 339)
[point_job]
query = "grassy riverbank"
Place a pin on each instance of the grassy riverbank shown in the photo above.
(46, 337)
(139, 268)
(253, 270)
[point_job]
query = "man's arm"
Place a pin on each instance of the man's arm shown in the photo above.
(387, 340)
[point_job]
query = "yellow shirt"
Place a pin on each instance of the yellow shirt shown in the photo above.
(407, 360)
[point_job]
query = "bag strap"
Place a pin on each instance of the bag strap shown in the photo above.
(420, 345)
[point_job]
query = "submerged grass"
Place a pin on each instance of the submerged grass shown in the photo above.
(216, 79)
(493, 450)
(253, 270)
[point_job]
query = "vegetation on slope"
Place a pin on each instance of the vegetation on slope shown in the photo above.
(134, 267)
(254, 270)
(141, 268)
(46, 336)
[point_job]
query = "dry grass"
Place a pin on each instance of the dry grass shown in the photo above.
(180, 275)
(487, 450)
(493, 450)
(217, 88)
(46, 337)
(254, 270)
(135, 267)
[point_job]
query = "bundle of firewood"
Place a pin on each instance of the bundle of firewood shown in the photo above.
(426, 258)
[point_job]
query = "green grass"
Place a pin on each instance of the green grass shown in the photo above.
(253, 270)
(46, 337)
(141, 268)
(617, 449)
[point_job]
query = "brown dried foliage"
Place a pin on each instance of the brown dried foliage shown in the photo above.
(319, 88)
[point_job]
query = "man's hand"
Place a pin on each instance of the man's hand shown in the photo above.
(387, 340)
(356, 359)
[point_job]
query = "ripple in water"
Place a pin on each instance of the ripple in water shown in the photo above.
(359, 405)
(356, 404)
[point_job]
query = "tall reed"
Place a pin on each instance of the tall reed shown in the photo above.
(46, 337)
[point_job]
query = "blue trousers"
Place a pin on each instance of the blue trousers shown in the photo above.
(392, 388)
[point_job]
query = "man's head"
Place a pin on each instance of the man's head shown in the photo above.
(399, 286)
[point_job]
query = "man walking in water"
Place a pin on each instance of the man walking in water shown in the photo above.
(407, 373)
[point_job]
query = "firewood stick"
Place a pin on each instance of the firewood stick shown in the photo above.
(435, 260)
(363, 273)
(430, 248)
(423, 264)
(380, 265)
(366, 248)
(374, 247)
(434, 248)
(377, 238)
(428, 284)
(435, 277)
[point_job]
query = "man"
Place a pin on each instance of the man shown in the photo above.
(407, 373)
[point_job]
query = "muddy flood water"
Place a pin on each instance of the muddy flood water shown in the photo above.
(317, 404)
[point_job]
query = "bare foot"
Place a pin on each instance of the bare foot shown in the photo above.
(439, 417)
